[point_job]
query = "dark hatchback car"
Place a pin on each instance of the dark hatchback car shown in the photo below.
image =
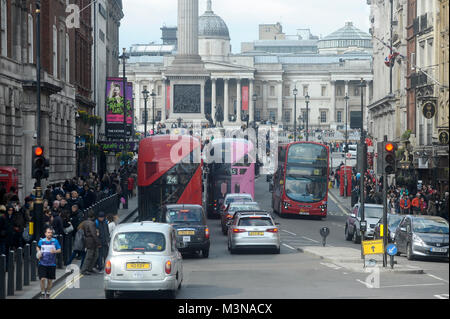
(189, 222)
(422, 236)
(393, 222)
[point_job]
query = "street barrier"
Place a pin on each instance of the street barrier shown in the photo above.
(22, 264)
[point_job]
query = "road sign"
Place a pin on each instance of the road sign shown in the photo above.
(391, 250)
(373, 247)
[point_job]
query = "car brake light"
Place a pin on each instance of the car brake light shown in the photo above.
(238, 230)
(272, 230)
(168, 267)
(207, 233)
(108, 267)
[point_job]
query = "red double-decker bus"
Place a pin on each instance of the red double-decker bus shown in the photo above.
(300, 183)
(169, 172)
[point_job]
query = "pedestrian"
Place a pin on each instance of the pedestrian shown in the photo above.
(405, 204)
(415, 204)
(104, 237)
(47, 249)
(92, 244)
(2, 230)
(79, 246)
(423, 207)
(113, 221)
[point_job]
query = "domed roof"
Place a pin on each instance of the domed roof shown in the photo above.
(211, 25)
(347, 36)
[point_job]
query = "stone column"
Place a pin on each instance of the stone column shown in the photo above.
(264, 98)
(238, 103)
(164, 99)
(188, 28)
(213, 99)
(333, 112)
(280, 102)
(225, 102)
(251, 104)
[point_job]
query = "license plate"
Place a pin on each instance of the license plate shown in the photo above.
(304, 213)
(256, 233)
(138, 266)
(186, 232)
(186, 239)
(439, 250)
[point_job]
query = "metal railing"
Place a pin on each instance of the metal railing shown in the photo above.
(19, 268)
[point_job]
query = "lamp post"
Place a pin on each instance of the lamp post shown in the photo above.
(153, 95)
(307, 116)
(295, 113)
(124, 172)
(145, 93)
(346, 98)
(363, 158)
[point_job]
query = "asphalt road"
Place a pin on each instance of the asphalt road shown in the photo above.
(292, 274)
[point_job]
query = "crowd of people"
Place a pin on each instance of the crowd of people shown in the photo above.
(66, 210)
(424, 200)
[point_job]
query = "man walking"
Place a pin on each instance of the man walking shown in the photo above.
(47, 249)
(92, 244)
(103, 234)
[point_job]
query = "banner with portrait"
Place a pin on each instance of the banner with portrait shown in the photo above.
(114, 112)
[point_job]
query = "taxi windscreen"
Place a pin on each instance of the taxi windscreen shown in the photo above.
(184, 215)
(139, 242)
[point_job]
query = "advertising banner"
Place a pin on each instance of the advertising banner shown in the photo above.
(168, 98)
(245, 98)
(114, 127)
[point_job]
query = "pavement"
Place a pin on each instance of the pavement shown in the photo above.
(344, 203)
(33, 290)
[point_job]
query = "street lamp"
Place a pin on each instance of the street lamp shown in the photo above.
(295, 113)
(307, 116)
(145, 93)
(346, 98)
(153, 95)
(124, 172)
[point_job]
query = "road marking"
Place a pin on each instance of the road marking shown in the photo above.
(443, 296)
(398, 286)
(289, 247)
(66, 286)
(333, 266)
(435, 277)
(333, 198)
(315, 241)
(289, 232)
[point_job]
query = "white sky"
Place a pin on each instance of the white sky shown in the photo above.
(144, 18)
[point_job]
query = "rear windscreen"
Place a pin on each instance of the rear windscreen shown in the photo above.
(139, 241)
(252, 221)
(184, 215)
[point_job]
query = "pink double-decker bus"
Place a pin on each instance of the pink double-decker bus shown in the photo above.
(230, 169)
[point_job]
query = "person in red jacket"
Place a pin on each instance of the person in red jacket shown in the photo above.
(415, 204)
(405, 204)
(130, 186)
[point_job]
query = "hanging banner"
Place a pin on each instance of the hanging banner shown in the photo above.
(168, 98)
(114, 109)
(245, 98)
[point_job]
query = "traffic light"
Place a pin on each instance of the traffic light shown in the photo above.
(389, 149)
(39, 164)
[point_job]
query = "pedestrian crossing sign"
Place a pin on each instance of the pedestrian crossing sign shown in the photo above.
(373, 247)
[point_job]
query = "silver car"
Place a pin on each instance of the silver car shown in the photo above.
(253, 229)
(372, 214)
(143, 257)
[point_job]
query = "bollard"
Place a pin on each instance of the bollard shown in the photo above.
(2, 277)
(11, 273)
(33, 261)
(26, 265)
(19, 269)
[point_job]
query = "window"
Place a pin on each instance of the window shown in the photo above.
(323, 117)
(356, 91)
(272, 90)
(3, 29)
(287, 116)
(339, 116)
(159, 90)
(55, 52)
(258, 90)
(257, 115)
(101, 35)
(287, 90)
(324, 90)
(272, 116)
(339, 91)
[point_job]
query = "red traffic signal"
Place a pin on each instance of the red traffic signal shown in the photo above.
(38, 151)
(39, 163)
(389, 157)
(389, 147)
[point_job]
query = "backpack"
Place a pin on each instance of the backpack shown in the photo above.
(79, 240)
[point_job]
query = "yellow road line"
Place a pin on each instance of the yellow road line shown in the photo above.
(338, 204)
(66, 286)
